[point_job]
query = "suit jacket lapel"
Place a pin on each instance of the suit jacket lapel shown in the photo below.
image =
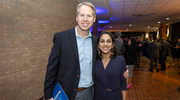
(94, 40)
(72, 38)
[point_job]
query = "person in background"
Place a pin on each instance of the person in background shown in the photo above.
(72, 58)
(138, 50)
(144, 48)
(119, 43)
(164, 52)
(176, 53)
(110, 84)
(153, 51)
(130, 57)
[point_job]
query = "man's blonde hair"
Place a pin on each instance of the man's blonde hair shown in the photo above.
(87, 4)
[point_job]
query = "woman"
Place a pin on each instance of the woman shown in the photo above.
(110, 84)
(130, 57)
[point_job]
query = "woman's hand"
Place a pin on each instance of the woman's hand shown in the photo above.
(126, 73)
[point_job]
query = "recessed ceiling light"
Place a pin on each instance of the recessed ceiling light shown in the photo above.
(167, 18)
(159, 22)
(144, 4)
(130, 24)
(148, 26)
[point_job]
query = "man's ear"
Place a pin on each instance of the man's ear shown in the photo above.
(76, 18)
(94, 18)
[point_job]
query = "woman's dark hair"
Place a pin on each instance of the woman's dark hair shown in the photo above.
(114, 51)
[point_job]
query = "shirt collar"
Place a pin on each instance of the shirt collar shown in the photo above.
(89, 35)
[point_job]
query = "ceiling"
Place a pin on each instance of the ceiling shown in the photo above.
(143, 15)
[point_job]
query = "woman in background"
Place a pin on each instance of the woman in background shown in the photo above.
(130, 57)
(110, 83)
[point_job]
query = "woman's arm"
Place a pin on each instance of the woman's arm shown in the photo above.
(124, 95)
(123, 83)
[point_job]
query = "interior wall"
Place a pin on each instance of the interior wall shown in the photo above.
(27, 28)
(174, 32)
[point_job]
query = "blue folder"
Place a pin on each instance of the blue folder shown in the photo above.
(58, 93)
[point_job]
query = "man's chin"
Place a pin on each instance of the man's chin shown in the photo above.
(85, 29)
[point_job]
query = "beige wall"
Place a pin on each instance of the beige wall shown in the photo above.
(26, 32)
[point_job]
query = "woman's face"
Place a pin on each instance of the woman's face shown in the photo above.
(105, 44)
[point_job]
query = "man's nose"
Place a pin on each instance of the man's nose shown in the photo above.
(85, 18)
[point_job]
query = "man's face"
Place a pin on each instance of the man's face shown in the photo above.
(178, 40)
(85, 18)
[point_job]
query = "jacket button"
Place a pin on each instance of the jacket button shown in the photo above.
(78, 76)
(75, 90)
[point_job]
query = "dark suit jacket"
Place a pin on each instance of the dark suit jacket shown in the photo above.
(165, 49)
(154, 48)
(120, 46)
(63, 64)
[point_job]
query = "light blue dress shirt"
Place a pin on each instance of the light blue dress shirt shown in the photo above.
(85, 59)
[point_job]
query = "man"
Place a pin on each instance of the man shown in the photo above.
(72, 58)
(138, 50)
(119, 43)
(163, 53)
(153, 51)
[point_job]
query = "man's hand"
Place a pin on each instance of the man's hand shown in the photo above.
(126, 73)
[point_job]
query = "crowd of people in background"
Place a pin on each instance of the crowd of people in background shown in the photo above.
(155, 49)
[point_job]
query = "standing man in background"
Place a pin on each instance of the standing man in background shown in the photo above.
(153, 51)
(164, 52)
(119, 44)
(138, 50)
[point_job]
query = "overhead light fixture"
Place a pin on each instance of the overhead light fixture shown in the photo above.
(103, 21)
(159, 22)
(112, 18)
(167, 18)
(110, 27)
(130, 24)
(148, 26)
(100, 11)
(144, 4)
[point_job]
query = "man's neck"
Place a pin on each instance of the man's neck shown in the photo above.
(82, 33)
